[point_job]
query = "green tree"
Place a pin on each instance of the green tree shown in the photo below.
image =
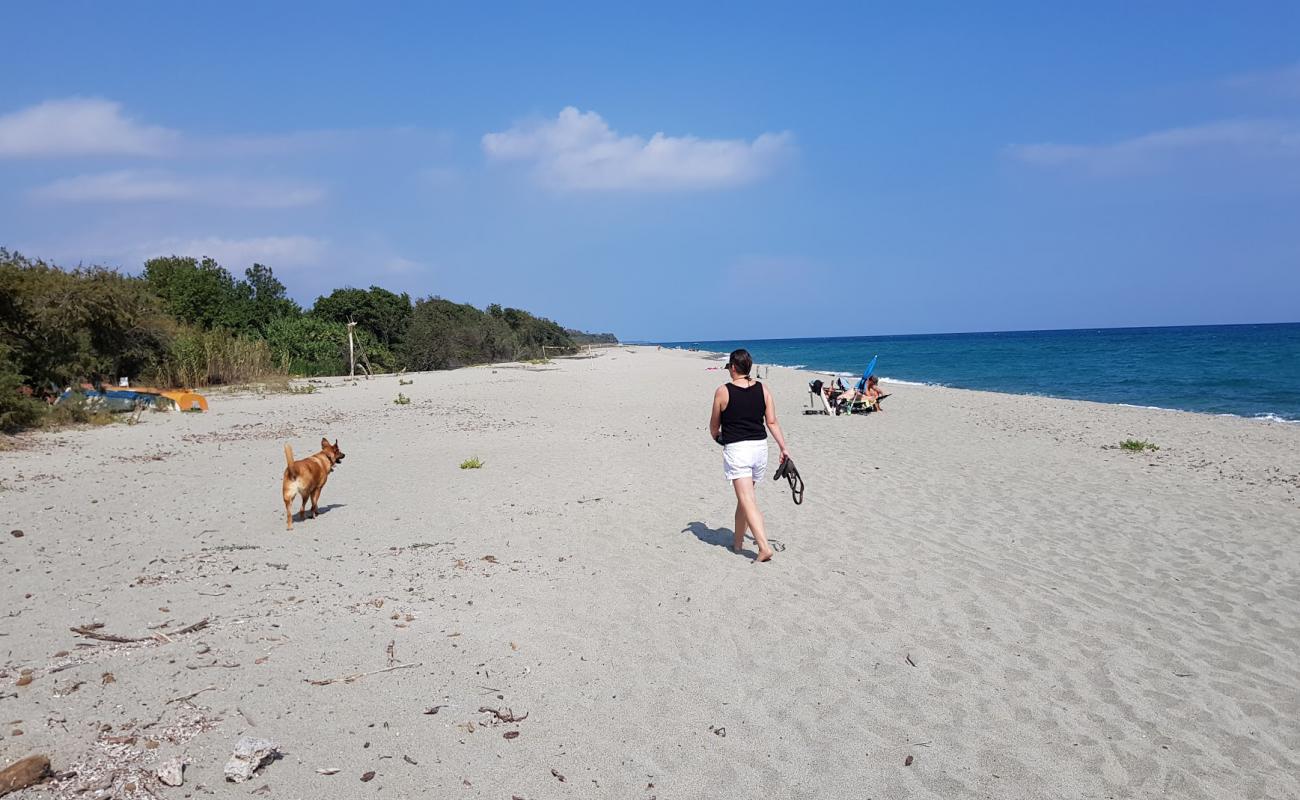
(385, 315)
(444, 335)
(63, 327)
(202, 293)
(268, 300)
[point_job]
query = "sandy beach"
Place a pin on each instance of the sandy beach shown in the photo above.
(980, 597)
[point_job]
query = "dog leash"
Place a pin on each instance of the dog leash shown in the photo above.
(788, 471)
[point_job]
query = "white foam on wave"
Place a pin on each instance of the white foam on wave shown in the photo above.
(1265, 417)
(1271, 417)
(908, 383)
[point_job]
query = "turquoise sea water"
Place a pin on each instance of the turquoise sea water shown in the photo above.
(1246, 370)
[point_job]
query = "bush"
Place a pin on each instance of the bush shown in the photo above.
(76, 411)
(1137, 445)
(18, 409)
(472, 463)
(309, 345)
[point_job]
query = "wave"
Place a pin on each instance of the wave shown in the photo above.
(1268, 416)
(1264, 416)
(901, 382)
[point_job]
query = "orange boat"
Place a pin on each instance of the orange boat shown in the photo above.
(184, 400)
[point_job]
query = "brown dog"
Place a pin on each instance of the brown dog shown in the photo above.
(307, 477)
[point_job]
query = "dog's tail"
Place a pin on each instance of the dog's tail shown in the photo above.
(288, 460)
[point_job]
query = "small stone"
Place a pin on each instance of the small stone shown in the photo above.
(249, 754)
(17, 534)
(172, 771)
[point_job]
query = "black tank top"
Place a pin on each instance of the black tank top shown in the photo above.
(742, 419)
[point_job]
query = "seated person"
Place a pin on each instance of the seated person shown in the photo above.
(870, 395)
(873, 394)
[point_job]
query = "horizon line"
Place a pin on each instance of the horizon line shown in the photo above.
(965, 333)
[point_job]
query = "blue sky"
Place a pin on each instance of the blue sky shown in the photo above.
(671, 173)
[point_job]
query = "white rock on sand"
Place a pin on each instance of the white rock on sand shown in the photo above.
(979, 582)
(249, 755)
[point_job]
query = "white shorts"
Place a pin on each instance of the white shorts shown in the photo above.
(745, 460)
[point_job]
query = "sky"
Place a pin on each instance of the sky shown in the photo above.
(672, 172)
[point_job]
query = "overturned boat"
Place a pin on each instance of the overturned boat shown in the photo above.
(125, 399)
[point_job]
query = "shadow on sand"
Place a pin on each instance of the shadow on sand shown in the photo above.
(720, 537)
(322, 511)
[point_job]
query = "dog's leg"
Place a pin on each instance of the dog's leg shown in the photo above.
(315, 502)
(302, 512)
(288, 510)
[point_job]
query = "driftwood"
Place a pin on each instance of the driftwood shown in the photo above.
(198, 626)
(92, 632)
(190, 696)
(23, 773)
(508, 715)
(357, 675)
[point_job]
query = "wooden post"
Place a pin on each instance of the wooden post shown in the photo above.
(352, 361)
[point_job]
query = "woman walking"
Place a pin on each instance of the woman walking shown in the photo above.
(740, 409)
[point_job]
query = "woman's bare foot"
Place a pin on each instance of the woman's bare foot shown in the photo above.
(737, 550)
(764, 555)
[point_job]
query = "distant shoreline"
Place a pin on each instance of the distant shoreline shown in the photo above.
(1248, 371)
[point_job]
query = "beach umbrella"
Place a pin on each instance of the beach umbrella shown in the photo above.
(871, 367)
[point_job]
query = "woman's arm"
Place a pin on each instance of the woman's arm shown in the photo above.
(773, 425)
(715, 417)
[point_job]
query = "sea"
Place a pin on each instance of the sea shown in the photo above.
(1240, 370)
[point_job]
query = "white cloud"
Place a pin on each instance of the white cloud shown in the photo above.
(1252, 138)
(1283, 82)
(80, 127)
(126, 186)
(287, 252)
(579, 151)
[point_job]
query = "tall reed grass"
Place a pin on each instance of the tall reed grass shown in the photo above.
(212, 358)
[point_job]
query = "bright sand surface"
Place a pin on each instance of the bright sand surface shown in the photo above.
(980, 582)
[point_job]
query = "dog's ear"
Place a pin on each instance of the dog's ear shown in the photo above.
(336, 444)
(324, 443)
